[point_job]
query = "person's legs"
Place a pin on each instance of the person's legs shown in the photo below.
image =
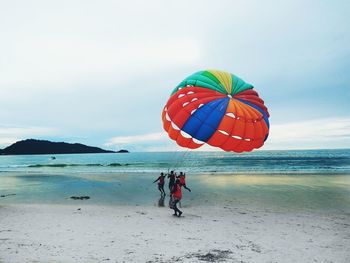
(185, 186)
(171, 202)
(177, 210)
(174, 207)
(170, 187)
(162, 189)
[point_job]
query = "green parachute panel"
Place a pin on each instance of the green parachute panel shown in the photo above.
(238, 85)
(201, 80)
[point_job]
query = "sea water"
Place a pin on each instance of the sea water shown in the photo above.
(313, 179)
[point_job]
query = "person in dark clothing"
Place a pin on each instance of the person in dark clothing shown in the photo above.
(160, 181)
(176, 194)
(172, 177)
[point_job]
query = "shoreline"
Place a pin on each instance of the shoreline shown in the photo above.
(68, 171)
(96, 233)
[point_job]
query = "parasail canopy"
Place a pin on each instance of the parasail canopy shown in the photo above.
(216, 108)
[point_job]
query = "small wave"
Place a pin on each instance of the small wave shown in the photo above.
(62, 165)
(51, 165)
(114, 164)
(118, 164)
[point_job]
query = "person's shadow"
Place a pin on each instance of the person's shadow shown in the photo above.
(161, 201)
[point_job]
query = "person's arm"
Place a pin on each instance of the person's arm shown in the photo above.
(157, 179)
(187, 188)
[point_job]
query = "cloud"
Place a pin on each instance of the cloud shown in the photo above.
(98, 70)
(320, 133)
(9, 135)
(62, 61)
(6, 141)
(144, 138)
(312, 129)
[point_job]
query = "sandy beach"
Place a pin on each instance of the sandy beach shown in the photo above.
(91, 233)
(266, 217)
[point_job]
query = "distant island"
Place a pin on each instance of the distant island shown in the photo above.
(32, 146)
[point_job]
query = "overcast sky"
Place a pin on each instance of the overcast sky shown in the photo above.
(100, 72)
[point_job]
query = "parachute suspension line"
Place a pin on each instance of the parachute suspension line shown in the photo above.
(177, 159)
(174, 159)
(181, 159)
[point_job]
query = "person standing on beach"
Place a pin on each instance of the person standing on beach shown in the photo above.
(182, 178)
(176, 197)
(172, 177)
(161, 183)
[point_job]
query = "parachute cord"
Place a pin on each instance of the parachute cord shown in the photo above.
(181, 159)
(189, 162)
(175, 160)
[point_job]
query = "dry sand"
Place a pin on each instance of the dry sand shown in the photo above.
(87, 233)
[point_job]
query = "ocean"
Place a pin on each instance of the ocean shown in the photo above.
(303, 179)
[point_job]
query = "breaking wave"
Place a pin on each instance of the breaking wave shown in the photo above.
(62, 165)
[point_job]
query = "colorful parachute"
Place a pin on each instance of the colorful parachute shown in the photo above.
(217, 108)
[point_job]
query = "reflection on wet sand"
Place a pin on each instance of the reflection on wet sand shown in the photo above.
(161, 201)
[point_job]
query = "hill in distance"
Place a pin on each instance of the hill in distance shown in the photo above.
(32, 146)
